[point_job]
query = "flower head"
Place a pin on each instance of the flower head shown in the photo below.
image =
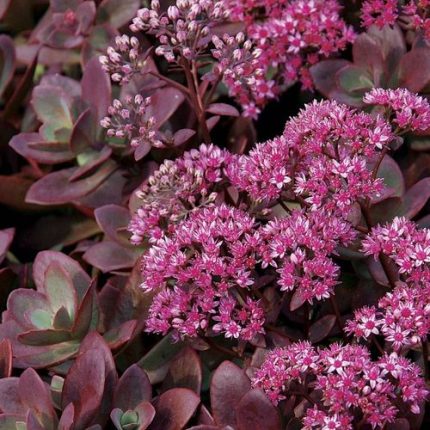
(351, 384)
(176, 189)
(407, 110)
(198, 272)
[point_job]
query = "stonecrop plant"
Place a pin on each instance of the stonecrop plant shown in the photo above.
(215, 215)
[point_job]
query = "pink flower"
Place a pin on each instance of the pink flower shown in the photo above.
(352, 386)
(131, 120)
(292, 35)
(379, 12)
(407, 110)
(198, 277)
(176, 189)
(299, 247)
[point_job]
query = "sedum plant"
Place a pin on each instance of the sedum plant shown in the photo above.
(214, 215)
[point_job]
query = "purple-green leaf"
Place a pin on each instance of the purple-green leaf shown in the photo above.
(56, 188)
(133, 388)
(229, 384)
(255, 411)
(174, 409)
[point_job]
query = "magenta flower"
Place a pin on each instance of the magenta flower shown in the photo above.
(131, 120)
(407, 110)
(350, 384)
(299, 246)
(201, 274)
(176, 189)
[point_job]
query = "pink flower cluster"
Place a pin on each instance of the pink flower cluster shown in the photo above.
(406, 245)
(176, 189)
(239, 67)
(402, 317)
(410, 112)
(379, 13)
(321, 158)
(300, 245)
(413, 14)
(132, 120)
(184, 31)
(352, 386)
(293, 35)
(123, 60)
(202, 275)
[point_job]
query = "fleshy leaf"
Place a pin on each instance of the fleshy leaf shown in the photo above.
(84, 386)
(32, 146)
(96, 87)
(113, 220)
(56, 188)
(185, 371)
(222, 109)
(164, 103)
(117, 13)
(133, 388)
(109, 256)
(320, 329)
(174, 409)
(80, 279)
(255, 411)
(7, 61)
(414, 69)
(35, 396)
(229, 384)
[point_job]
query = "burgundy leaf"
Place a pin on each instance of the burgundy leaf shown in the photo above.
(394, 184)
(229, 384)
(367, 54)
(320, 329)
(255, 411)
(86, 316)
(5, 358)
(133, 388)
(415, 198)
(222, 109)
(174, 409)
(84, 132)
(109, 256)
(35, 396)
(56, 188)
(117, 13)
(113, 220)
(181, 136)
(31, 146)
(414, 69)
(164, 103)
(4, 6)
(323, 75)
(297, 301)
(10, 402)
(7, 61)
(146, 414)
(80, 279)
(95, 160)
(96, 87)
(94, 341)
(67, 418)
(84, 386)
(185, 371)
(116, 337)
